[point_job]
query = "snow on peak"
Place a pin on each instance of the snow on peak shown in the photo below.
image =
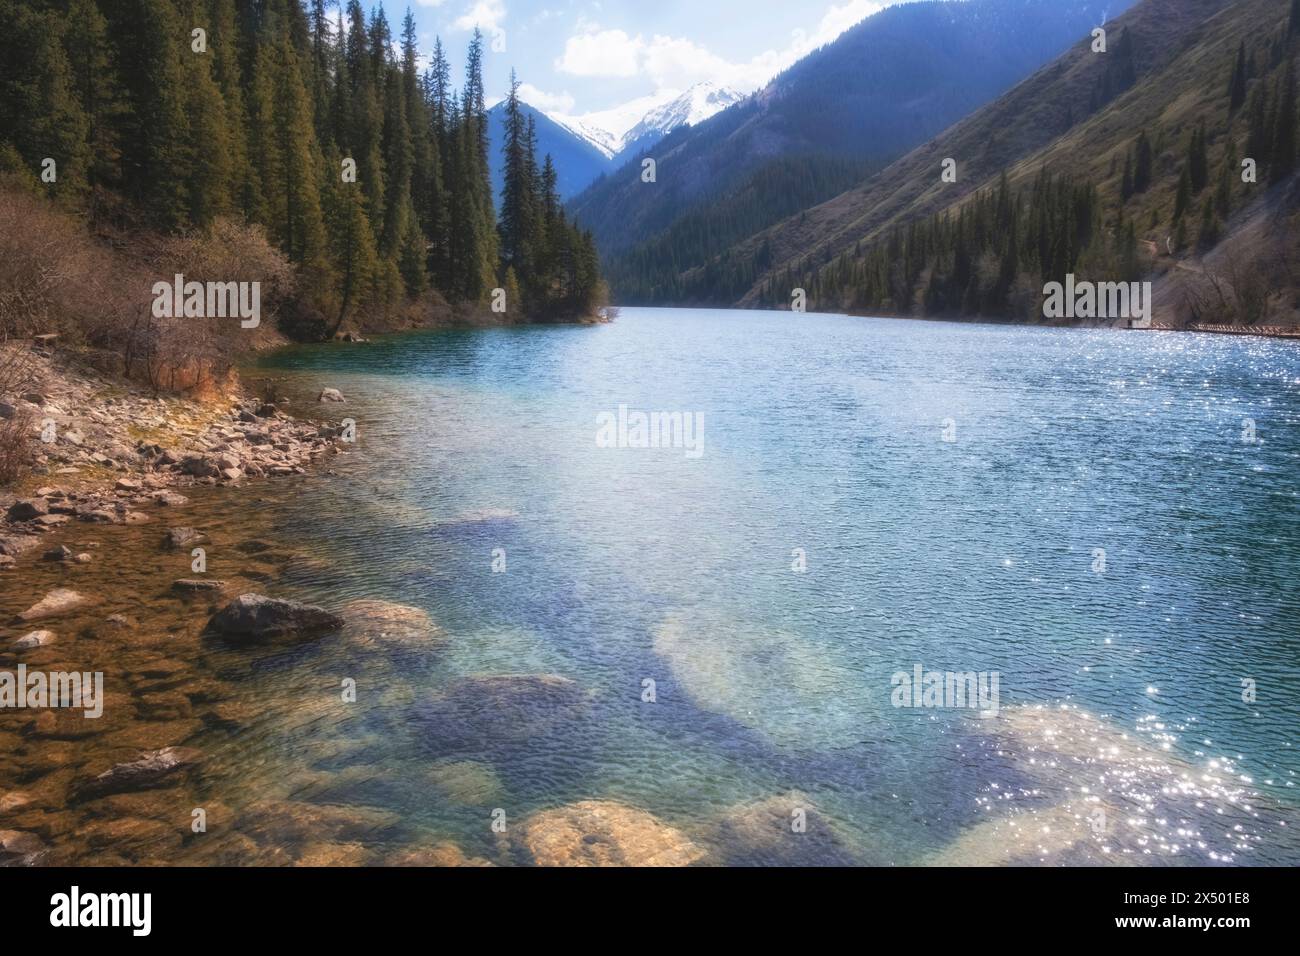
(613, 130)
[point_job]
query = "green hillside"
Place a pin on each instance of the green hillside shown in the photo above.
(1079, 168)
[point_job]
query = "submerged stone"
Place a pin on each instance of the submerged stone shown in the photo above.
(605, 833)
(482, 711)
(256, 616)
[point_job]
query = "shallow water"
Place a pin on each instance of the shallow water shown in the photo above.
(772, 687)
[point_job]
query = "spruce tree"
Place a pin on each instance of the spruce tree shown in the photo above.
(1237, 83)
(1284, 130)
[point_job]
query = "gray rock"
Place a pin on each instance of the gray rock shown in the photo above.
(331, 395)
(255, 616)
(198, 584)
(28, 509)
(178, 539)
(153, 769)
(200, 467)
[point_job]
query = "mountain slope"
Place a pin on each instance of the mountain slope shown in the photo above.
(577, 162)
(1218, 248)
(887, 84)
(1034, 115)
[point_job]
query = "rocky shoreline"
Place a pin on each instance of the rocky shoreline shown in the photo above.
(111, 453)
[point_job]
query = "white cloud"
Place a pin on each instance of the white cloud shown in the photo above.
(430, 3)
(546, 102)
(601, 53)
(677, 62)
(485, 14)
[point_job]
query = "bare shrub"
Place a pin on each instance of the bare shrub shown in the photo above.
(177, 352)
(15, 447)
(51, 272)
(18, 373)
(56, 277)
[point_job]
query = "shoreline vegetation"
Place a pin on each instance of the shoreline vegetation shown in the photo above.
(271, 147)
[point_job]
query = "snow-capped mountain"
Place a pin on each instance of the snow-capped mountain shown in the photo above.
(641, 122)
(694, 106)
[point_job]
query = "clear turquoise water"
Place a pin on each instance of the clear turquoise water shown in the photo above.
(821, 433)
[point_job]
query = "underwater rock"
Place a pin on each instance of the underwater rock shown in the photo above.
(605, 833)
(257, 616)
(784, 830)
(383, 623)
(57, 602)
(283, 822)
(155, 768)
(34, 639)
(178, 539)
(506, 708)
(441, 854)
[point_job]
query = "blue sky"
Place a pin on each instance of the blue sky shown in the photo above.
(577, 56)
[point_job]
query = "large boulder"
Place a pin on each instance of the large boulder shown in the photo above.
(605, 833)
(256, 616)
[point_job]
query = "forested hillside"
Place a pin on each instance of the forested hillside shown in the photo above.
(178, 117)
(893, 81)
(1170, 156)
(577, 162)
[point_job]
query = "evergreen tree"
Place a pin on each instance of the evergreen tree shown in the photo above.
(1142, 164)
(1198, 162)
(1184, 195)
(1237, 84)
(1284, 128)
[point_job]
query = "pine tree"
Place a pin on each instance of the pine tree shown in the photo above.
(1184, 195)
(1284, 130)
(98, 92)
(154, 132)
(1260, 137)
(1142, 164)
(1237, 84)
(1198, 163)
(38, 98)
(353, 247)
(208, 182)
(224, 43)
